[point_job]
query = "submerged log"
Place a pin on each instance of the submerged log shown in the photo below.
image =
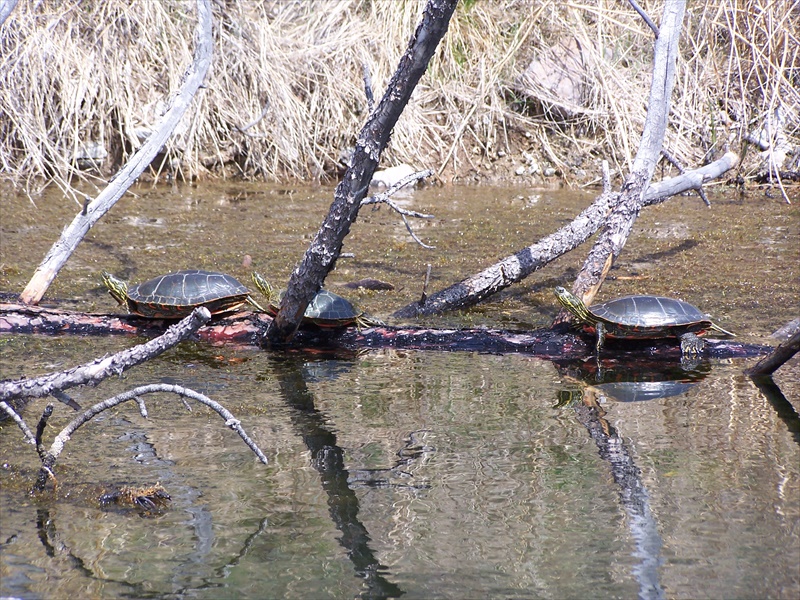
(247, 328)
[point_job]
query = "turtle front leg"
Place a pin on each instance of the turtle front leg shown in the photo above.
(601, 337)
(692, 345)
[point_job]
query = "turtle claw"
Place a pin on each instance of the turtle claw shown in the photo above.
(692, 346)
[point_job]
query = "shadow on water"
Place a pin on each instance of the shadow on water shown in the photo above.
(328, 459)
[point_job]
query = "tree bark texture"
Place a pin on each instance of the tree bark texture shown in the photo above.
(61, 251)
(321, 256)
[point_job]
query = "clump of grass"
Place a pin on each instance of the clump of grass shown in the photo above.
(83, 74)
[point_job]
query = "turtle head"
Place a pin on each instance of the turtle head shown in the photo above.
(265, 288)
(573, 304)
(117, 288)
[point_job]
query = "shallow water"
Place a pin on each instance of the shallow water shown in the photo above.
(431, 474)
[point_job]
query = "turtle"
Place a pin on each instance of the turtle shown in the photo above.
(642, 317)
(176, 295)
(326, 309)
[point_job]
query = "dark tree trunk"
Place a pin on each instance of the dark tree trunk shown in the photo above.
(321, 256)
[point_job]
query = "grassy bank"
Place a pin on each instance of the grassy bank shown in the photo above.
(80, 83)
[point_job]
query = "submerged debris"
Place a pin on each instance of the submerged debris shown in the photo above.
(150, 497)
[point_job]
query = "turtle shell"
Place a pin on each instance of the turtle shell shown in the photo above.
(175, 295)
(331, 310)
(649, 317)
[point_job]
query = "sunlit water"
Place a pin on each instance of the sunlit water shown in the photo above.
(427, 474)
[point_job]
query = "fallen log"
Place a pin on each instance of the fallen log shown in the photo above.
(247, 328)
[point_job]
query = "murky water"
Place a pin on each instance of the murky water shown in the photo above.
(433, 475)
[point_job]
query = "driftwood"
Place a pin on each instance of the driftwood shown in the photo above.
(99, 369)
(623, 208)
(14, 394)
(249, 328)
(778, 357)
(61, 251)
(322, 254)
(619, 223)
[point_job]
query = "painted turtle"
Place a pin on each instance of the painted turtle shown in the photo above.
(176, 295)
(642, 317)
(327, 310)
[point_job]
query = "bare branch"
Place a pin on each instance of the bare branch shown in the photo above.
(243, 130)
(29, 437)
(520, 265)
(644, 16)
(619, 223)
(61, 251)
(383, 198)
(97, 370)
(61, 439)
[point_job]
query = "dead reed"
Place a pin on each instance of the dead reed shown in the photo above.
(80, 83)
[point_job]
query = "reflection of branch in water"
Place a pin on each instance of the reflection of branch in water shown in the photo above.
(415, 452)
(783, 408)
(328, 459)
(55, 548)
(633, 496)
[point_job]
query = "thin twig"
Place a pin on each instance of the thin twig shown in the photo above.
(424, 295)
(644, 16)
(383, 198)
(48, 411)
(29, 438)
(243, 130)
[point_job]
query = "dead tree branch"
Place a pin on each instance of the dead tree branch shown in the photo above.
(49, 460)
(619, 223)
(520, 265)
(61, 251)
(321, 256)
(9, 410)
(383, 198)
(99, 369)
(769, 364)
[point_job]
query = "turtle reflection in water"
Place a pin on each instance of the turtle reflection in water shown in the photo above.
(176, 295)
(642, 317)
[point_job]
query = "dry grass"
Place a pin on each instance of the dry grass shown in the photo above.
(82, 72)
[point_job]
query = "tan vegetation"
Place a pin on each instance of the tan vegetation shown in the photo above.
(81, 83)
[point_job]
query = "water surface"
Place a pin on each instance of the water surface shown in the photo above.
(426, 474)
